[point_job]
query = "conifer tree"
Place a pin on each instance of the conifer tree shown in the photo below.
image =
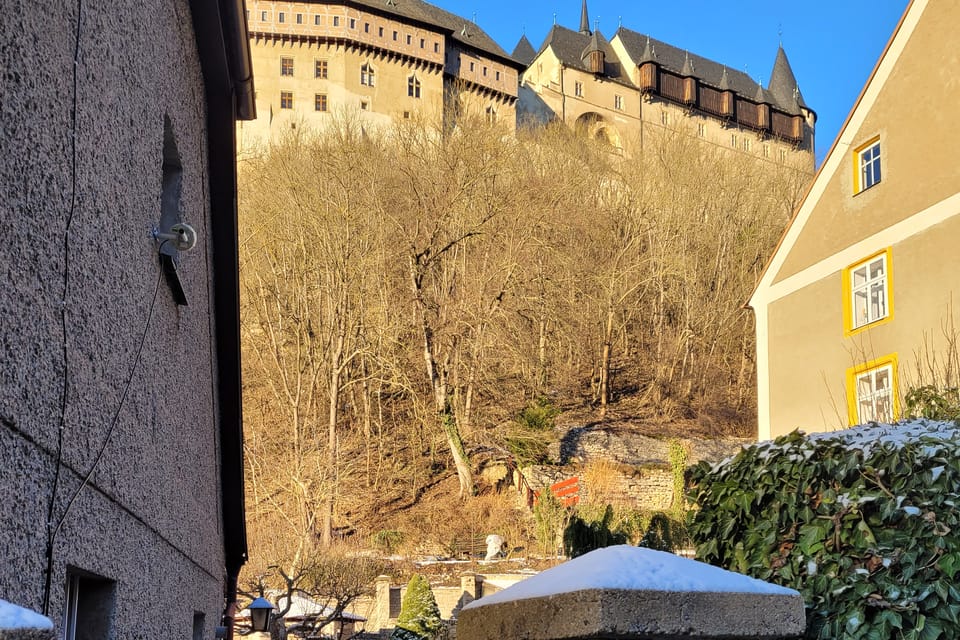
(419, 614)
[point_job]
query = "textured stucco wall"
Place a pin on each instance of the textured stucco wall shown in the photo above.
(80, 271)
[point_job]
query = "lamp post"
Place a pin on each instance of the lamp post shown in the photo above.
(260, 610)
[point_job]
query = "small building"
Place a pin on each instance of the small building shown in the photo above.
(855, 307)
(120, 422)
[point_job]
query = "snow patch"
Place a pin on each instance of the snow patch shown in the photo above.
(16, 617)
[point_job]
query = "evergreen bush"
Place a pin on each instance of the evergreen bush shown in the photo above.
(863, 522)
(659, 534)
(582, 537)
(419, 613)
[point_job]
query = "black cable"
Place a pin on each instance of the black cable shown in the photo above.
(116, 414)
(51, 534)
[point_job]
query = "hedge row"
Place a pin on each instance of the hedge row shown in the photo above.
(863, 522)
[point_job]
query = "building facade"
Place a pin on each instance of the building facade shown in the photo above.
(625, 90)
(379, 61)
(855, 307)
(120, 386)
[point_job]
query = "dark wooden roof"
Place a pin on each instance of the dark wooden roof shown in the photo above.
(641, 47)
(461, 30)
(524, 52)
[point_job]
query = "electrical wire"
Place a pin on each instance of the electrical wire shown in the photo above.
(63, 314)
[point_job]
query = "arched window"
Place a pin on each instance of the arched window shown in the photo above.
(413, 87)
(367, 75)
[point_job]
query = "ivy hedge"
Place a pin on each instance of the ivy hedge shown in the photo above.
(863, 522)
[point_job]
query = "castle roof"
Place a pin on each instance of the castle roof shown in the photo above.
(584, 20)
(640, 46)
(456, 27)
(783, 84)
(570, 48)
(524, 51)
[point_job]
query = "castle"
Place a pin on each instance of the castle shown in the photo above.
(397, 59)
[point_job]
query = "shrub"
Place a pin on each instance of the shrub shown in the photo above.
(387, 540)
(551, 517)
(528, 442)
(581, 536)
(419, 613)
(658, 535)
(863, 522)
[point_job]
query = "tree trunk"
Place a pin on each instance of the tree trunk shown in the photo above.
(605, 364)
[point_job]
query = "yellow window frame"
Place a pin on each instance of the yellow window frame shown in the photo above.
(853, 411)
(847, 287)
(857, 152)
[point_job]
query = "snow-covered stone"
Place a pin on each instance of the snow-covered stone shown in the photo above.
(629, 592)
(18, 623)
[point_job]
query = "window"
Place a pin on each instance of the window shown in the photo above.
(320, 102)
(320, 69)
(436, 47)
(263, 16)
(701, 130)
(366, 27)
(484, 72)
(783, 155)
(286, 99)
(353, 23)
(491, 114)
(409, 39)
(336, 21)
(299, 18)
(664, 118)
(286, 66)
(471, 66)
(867, 160)
(88, 606)
(364, 105)
(380, 31)
(766, 151)
(867, 292)
(423, 43)
(367, 75)
(618, 102)
(872, 391)
(406, 115)
(578, 89)
(281, 17)
(733, 140)
(316, 20)
(498, 75)
(747, 144)
(413, 87)
(395, 34)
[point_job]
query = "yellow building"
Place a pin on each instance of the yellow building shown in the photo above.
(379, 60)
(633, 86)
(855, 306)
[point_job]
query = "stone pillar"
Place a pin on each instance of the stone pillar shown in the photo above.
(635, 594)
(381, 609)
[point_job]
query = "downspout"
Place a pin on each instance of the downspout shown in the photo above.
(238, 58)
(563, 97)
(230, 611)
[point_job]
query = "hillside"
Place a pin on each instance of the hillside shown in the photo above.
(417, 302)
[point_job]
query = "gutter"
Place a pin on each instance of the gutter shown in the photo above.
(233, 17)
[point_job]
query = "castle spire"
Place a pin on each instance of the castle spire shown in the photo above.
(584, 20)
(783, 84)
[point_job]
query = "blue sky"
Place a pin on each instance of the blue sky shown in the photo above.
(832, 45)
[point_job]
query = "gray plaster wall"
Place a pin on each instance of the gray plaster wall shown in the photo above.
(79, 272)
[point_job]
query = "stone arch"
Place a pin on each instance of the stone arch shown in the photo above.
(596, 127)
